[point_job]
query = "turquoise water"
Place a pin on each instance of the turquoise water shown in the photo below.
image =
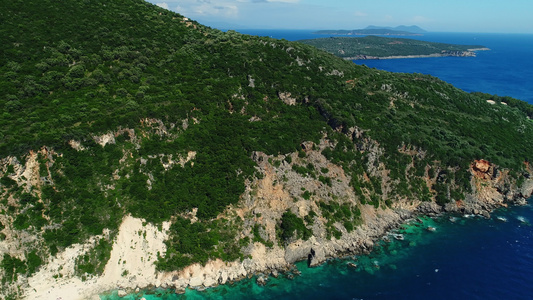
(464, 258)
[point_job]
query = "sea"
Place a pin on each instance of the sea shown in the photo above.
(461, 256)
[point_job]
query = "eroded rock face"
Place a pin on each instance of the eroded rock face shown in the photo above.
(281, 188)
(494, 188)
(287, 99)
(481, 169)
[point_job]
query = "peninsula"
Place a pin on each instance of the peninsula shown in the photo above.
(373, 47)
(141, 149)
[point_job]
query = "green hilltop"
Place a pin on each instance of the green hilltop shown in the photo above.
(186, 107)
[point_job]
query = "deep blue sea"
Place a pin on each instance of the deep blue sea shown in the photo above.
(505, 70)
(466, 257)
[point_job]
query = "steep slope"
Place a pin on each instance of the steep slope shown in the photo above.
(228, 154)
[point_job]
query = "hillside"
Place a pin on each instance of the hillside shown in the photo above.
(139, 148)
(373, 47)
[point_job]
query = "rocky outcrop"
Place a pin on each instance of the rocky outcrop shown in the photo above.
(493, 188)
(482, 169)
(287, 99)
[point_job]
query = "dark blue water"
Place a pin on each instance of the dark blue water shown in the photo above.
(505, 70)
(466, 257)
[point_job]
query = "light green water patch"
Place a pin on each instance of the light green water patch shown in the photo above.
(397, 246)
(387, 255)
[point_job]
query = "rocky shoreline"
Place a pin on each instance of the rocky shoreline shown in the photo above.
(459, 53)
(265, 263)
(271, 262)
(138, 245)
(311, 251)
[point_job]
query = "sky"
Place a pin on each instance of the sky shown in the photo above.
(502, 16)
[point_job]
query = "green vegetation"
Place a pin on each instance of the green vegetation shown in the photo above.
(13, 266)
(199, 241)
(93, 263)
(257, 236)
(373, 46)
(162, 88)
(292, 227)
(520, 105)
(346, 214)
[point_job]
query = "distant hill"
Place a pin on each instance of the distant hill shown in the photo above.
(374, 47)
(367, 32)
(377, 30)
(412, 28)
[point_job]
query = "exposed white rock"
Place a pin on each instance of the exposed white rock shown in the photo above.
(133, 254)
(102, 140)
(286, 98)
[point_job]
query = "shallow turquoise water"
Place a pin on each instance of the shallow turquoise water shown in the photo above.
(312, 280)
(464, 258)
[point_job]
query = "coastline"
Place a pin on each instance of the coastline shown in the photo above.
(136, 275)
(469, 53)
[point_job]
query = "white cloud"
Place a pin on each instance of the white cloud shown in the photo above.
(360, 14)
(163, 5)
(221, 8)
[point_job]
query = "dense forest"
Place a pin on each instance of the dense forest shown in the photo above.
(168, 88)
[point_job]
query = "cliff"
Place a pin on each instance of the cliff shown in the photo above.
(141, 149)
(340, 224)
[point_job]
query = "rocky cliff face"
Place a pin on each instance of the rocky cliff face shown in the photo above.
(307, 184)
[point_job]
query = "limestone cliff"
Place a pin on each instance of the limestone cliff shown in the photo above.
(306, 183)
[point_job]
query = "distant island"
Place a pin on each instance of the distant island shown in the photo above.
(377, 30)
(374, 47)
(412, 28)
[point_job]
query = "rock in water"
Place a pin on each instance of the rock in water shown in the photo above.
(262, 280)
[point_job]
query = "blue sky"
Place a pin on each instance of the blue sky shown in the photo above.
(509, 16)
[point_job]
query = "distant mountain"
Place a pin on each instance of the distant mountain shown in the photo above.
(367, 31)
(412, 28)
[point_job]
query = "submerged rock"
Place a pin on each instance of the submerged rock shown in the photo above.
(262, 280)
